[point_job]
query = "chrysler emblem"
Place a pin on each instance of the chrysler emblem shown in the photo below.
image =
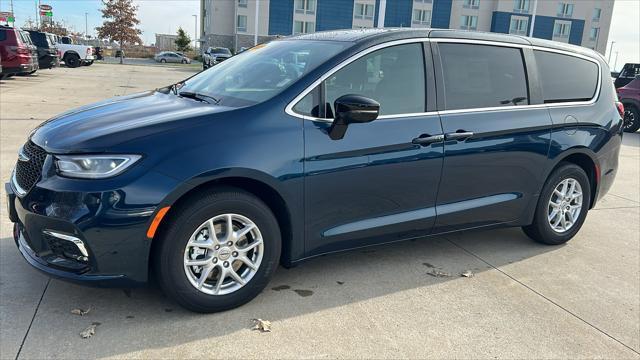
(22, 156)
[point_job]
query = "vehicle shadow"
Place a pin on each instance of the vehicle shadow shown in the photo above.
(631, 139)
(141, 319)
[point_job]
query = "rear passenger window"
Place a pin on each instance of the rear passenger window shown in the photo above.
(3, 35)
(480, 76)
(566, 78)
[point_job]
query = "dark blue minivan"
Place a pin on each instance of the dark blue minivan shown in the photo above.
(315, 144)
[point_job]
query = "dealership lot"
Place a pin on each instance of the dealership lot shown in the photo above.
(525, 300)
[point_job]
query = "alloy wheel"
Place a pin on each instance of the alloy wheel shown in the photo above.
(565, 205)
(223, 254)
(629, 119)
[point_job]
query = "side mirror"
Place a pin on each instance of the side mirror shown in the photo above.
(352, 109)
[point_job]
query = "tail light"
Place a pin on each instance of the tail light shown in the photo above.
(620, 108)
(89, 51)
(23, 50)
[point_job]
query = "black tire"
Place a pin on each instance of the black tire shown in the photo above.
(184, 61)
(72, 60)
(175, 234)
(164, 61)
(631, 118)
(540, 230)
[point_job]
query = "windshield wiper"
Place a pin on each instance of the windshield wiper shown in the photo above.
(198, 96)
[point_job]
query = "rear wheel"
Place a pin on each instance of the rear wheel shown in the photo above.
(219, 251)
(562, 206)
(164, 61)
(72, 60)
(631, 118)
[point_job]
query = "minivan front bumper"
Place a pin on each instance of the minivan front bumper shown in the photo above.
(94, 238)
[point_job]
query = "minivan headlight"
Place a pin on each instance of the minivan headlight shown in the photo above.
(94, 166)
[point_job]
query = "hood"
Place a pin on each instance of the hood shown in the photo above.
(101, 126)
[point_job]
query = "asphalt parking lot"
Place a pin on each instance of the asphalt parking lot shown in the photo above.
(525, 300)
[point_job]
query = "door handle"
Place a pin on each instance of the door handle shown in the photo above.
(426, 139)
(458, 135)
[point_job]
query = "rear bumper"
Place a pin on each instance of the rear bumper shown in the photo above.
(48, 61)
(20, 69)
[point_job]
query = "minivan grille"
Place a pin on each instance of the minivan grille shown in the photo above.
(29, 167)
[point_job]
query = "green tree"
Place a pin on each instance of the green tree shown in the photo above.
(183, 42)
(120, 22)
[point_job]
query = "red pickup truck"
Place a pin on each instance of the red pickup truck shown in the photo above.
(629, 96)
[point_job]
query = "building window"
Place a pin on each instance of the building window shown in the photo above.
(565, 10)
(303, 27)
(241, 26)
(242, 3)
(305, 6)
(521, 6)
(594, 33)
(518, 25)
(363, 11)
(471, 4)
(423, 1)
(596, 14)
(422, 17)
(561, 29)
(469, 22)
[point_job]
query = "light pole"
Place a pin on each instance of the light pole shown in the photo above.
(533, 17)
(195, 34)
(86, 26)
(610, 51)
(615, 62)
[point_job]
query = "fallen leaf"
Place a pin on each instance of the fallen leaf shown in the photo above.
(261, 325)
(88, 332)
(80, 312)
(467, 274)
(438, 273)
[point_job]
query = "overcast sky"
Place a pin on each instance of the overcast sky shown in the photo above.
(165, 16)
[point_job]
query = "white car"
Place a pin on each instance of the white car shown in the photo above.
(72, 54)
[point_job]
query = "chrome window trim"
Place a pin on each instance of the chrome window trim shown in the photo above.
(289, 108)
(292, 103)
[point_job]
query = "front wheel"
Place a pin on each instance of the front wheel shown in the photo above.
(562, 206)
(163, 61)
(219, 250)
(631, 119)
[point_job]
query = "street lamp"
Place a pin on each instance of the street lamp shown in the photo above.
(195, 34)
(610, 51)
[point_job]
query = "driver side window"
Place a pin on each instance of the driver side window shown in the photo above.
(393, 76)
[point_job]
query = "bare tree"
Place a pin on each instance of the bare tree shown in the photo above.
(120, 23)
(54, 28)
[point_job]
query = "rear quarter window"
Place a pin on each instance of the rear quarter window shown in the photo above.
(566, 78)
(3, 35)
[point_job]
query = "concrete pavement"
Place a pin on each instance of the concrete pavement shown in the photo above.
(526, 300)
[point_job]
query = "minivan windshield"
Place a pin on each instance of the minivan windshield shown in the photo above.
(261, 72)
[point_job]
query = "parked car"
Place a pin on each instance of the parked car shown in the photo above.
(171, 57)
(119, 53)
(47, 52)
(254, 164)
(74, 55)
(629, 72)
(215, 55)
(17, 53)
(26, 38)
(629, 96)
